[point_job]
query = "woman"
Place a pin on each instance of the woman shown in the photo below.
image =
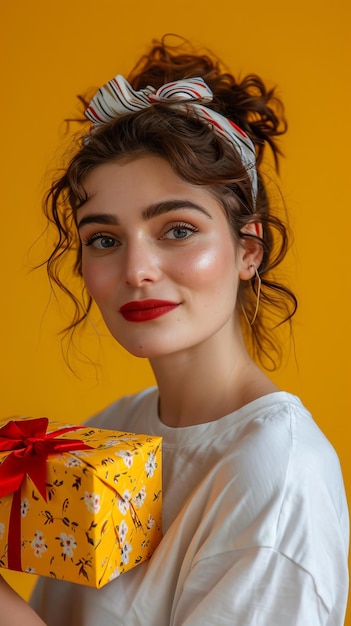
(177, 244)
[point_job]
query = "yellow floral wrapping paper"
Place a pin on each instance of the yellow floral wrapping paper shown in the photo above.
(103, 510)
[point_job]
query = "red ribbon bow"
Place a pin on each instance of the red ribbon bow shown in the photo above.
(29, 446)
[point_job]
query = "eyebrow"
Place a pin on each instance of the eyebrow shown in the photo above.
(154, 210)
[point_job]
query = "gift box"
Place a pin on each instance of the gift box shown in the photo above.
(76, 503)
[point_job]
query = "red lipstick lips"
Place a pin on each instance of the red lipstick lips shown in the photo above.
(145, 310)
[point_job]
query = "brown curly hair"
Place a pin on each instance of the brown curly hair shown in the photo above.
(198, 155)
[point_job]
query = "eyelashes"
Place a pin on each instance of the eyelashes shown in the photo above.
(178, 231)
(105, 241)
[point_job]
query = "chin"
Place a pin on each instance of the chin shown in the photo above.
(143, 351)
(152, 350)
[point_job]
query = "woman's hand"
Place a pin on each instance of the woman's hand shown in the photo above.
(14, 610)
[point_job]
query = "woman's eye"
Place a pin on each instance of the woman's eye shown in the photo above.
(101, 242)
(180, 231)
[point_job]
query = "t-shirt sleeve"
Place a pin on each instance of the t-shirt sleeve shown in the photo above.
(273, 549)
(257, 587)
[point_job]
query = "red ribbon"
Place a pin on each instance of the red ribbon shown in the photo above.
(30, 447)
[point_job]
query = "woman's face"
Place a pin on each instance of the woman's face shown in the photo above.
(158, 258)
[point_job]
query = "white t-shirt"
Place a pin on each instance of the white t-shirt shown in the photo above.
(255, 526)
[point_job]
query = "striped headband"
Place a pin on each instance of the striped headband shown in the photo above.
(118, 98)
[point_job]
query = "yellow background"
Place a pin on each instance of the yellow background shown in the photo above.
(50, 52)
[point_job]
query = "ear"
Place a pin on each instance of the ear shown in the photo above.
(251, 253)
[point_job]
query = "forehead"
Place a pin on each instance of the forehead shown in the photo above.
(128, 175)
(139, 183)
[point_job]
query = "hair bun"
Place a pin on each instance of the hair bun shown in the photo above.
(247, 102)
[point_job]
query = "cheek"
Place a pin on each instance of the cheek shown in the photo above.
(97, 279)
(212, 264)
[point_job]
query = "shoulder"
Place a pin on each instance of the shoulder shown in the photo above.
(311, 462)
(289, 454)
(282, 436)
(283, 472)
(280, 487)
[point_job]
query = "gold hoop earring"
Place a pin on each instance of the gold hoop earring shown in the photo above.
(257, 299)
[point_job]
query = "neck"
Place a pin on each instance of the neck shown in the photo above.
(195, 388)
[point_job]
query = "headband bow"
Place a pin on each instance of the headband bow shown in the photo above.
(117, 97)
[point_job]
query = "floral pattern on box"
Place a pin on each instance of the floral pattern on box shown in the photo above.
(102, 514)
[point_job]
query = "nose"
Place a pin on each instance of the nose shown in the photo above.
(141, 263)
